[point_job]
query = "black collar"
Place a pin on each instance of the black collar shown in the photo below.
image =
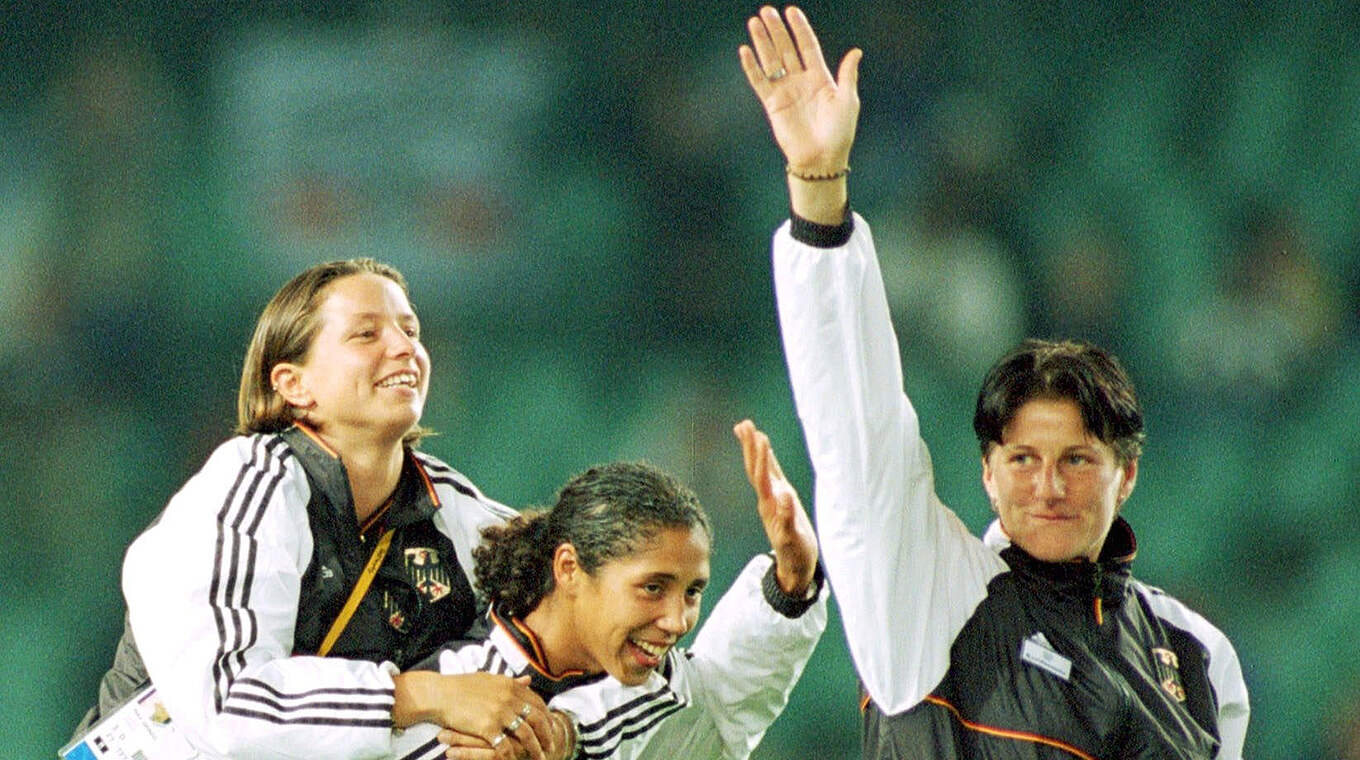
(541, 679)
(1108, 576)
(413, 500)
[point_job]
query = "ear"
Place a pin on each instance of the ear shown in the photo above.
(288, 381)
(1130, 479)
(566, 566)
(989, 481)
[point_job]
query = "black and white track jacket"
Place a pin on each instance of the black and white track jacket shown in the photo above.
(965, 648)
(713, 700)
(233, 588)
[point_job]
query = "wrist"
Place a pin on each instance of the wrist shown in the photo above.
(822, 201)
(410, 698)
(787, 604)
(794, 583)
(566, 723)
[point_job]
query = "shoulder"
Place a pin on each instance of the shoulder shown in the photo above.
(251, 488)
(464, 656)
(244, 454)
(1172, 611)
(244, 475)
(455, 488)
(610, 714)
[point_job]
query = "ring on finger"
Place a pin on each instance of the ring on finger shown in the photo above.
(514, 725)
(525, 710)
(497, 739)
(778, 74)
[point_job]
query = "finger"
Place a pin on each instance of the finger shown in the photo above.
(766, 54)
(775, 469)
(754, 74)
(808, 47)
(743, 432)
(466, 747)
(470, 753)
(453, 738)
(761, 454)
(535, 730)
(847, 75)
(786, 53)
(759, 474)
(534, 734)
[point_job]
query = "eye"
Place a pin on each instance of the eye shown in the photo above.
(1021, 458)
(1078, 459)
(694, 593)
(413, 333)
(653, 588)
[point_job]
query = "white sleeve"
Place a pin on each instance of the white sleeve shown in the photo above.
(906, 572)
(747, 657)
(1225, 671)
(212, 592)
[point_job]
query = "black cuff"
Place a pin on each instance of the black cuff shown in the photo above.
(822, 235)
(784, 604)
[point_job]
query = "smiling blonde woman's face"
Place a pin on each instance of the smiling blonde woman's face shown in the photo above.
(366, 372)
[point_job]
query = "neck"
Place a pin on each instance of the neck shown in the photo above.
(373, 467)
(550, 622)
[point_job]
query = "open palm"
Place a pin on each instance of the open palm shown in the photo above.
(812, 115)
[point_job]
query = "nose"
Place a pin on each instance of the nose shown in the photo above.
(676, 619)
(399, 343)
(1050, 485)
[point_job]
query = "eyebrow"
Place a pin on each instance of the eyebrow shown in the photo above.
(670, 577)
(405, 316)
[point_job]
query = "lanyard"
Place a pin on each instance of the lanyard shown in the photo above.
(360, 587)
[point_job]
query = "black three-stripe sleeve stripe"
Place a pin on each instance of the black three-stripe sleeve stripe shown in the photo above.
(267, 453)
(604, 746)
(601, 737)
(338, 706)
(442, 473)
(494, 663)
(427, 751)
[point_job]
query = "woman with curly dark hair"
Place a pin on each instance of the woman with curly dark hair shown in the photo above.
(590, 597)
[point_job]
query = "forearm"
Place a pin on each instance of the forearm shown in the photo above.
(906, 571)
(750, 653)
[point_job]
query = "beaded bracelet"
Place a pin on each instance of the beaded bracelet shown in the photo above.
(789, 170)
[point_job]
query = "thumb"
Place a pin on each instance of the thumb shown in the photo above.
(847, 75)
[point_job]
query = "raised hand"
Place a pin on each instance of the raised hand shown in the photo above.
(786, 523)
(812, 115)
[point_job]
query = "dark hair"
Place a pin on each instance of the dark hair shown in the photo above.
(607, 512)
(284, 333)
(1072, 370)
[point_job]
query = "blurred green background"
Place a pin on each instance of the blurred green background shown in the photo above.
(582, 195)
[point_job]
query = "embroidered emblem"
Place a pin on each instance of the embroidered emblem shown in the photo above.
(326, 572)
(428, 573)
(1168, 672)
(396, 616)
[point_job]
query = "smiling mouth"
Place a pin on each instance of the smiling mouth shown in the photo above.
(651, 654)
(399, 380)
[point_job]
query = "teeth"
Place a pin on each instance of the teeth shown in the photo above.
(651, 649)
(401, 378)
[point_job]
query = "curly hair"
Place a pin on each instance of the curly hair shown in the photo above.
(606, 513)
